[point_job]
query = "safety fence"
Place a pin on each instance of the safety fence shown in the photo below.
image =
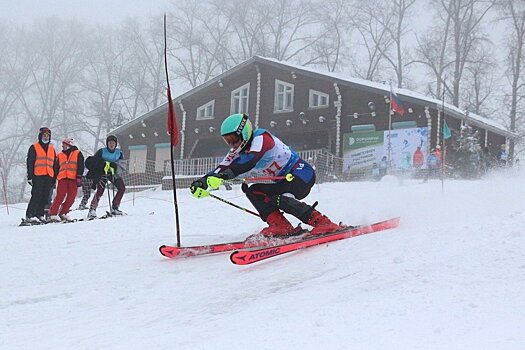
(148, 173)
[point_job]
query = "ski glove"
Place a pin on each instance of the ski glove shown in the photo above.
(108, 169)
(214, 182)
(79, 180)
(198, 188)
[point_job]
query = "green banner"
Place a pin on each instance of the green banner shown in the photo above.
(363, 139)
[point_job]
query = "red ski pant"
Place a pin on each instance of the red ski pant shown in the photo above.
(67, 189)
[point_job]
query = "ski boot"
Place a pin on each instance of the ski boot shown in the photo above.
(278, 226)
(65, 218)
(321, 224)
(92, 214)
(82, 206)
(115, 211)
(53, 218)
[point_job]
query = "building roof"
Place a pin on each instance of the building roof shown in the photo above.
(339, 78)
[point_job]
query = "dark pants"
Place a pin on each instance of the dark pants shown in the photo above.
(101, 186)
(267, 198)
(39, 196)
(87, 184)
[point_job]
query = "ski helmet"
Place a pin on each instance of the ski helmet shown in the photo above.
(240, 126)
(111, 138)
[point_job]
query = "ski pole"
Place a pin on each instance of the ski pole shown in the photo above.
(233, 204)
(288, 177)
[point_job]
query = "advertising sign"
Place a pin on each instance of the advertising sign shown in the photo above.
(363, 152)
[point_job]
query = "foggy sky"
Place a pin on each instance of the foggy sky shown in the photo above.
(93, 11)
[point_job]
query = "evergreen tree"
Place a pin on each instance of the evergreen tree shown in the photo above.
(467, 153)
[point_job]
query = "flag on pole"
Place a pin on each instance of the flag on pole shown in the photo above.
(446, 131)
(173, 129)
(395, 102)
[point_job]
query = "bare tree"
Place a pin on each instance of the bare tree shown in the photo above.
(191, 45)
(39, 69)
(333, 52)
(513, 14)
(372, 20)
(480, 78)
(145, 83)
(104, 81)
(466, 17)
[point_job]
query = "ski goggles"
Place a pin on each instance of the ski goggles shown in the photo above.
(233, 140)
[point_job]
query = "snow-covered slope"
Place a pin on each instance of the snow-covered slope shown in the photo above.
(451, 276)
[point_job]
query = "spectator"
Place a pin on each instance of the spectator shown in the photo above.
(383, 166)
(375, 172)
(70, 169)
(502, 156)
(418, 158)
(437, 153)
(87, 186)
(107, 166)
(433, 164)
(41, 175)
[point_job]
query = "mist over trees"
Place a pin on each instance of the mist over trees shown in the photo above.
(82, 79)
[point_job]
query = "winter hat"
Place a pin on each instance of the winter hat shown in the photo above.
(111, 138)
(42, 131)
(69, 141)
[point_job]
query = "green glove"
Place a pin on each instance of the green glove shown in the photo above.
(198, 188)
(214, 182)
(109, 168)
(199, 192)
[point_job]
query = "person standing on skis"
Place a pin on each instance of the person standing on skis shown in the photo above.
(260, 152)
(70, 169)
(41, 175)
(107, 166)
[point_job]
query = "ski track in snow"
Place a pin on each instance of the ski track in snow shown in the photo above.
(450, 277)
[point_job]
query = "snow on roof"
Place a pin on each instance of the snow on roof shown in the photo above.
(385, 88)
(450, 109)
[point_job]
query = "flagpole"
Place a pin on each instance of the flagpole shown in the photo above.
(389, 130)
(443, 155)
(171, 131)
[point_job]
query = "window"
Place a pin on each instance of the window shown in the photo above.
(206, 111)
(283, 96)
(318, 99)
(162, 154)
(240, 98)
(137, 159)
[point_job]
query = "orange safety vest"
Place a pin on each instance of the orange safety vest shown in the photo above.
(44, 161)
(68, 165)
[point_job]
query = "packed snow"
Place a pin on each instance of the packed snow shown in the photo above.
(452, 276)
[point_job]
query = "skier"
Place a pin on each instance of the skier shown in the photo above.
(262, 153)
(70, 169)
(41, 175)
(106, 165)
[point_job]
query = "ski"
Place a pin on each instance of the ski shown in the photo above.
(173, 252)
(245, 256)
